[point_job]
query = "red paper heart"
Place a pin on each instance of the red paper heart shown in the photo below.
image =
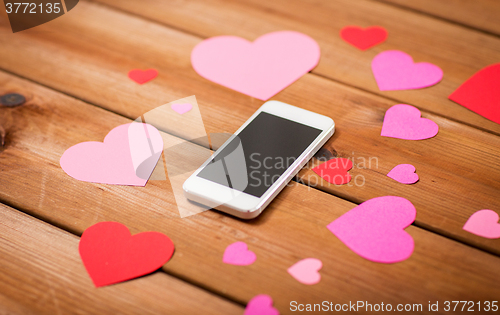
(335, 171)
(142, 76)
(481, 93)
(111, 254)
(363, 38)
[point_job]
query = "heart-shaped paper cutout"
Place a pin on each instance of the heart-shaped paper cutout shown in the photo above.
(334, 171)
(375, 229)
(127, 156)
(238, 254)
(484, 223)
(306, 271)
(395, 70)
(363, 38)
(405, 122)
(261, 304)
(259, 69)
(181, 108)
(111, 254)
(404, 173)
(142, 76)
(481, 93)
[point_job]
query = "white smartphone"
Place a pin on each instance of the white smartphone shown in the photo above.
(245, 174)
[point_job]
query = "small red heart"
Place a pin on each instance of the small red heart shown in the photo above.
(363, 38)
(142, 76)
(335, 171)
(111, 254)
(481, 93)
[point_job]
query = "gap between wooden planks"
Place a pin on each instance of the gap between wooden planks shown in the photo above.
(479, 14)
(42, 274)
(89, 54)
(293, 227)
(459, 51)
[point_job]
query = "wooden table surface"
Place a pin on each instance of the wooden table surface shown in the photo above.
(73, 73)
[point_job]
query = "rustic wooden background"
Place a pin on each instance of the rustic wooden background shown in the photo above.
(73, 73)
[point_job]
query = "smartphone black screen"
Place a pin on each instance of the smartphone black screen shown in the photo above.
(260, 154)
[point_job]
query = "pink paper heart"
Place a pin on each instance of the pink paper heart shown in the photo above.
(375, 229)
(395, 70)
(181, 108)
(405, 122)
(484, 223)
(259, 69)
(124, 158)
(306, 271)
(261, 304)
(238, 254)
(404, 173)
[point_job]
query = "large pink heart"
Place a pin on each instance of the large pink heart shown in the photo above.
(375, 229)
(127, 156)
(395, 70)
(404, 122)
(259, 69)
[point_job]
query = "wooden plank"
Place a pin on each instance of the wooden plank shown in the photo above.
(42, 274)
(479, 14)
(292, 228)
(460, 52)
(92, 66)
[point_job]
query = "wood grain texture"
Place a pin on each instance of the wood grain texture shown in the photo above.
(460, 52)
(293, 227)
(480, 14)
(42, 274)
(459, 168)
